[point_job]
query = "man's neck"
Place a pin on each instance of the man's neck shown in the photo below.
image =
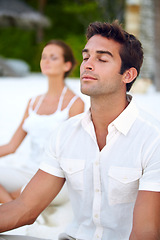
(103, 112)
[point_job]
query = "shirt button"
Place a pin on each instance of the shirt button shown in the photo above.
(96, 215)
(97, 190)
(96, 163)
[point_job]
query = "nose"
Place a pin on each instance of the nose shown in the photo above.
(89, 65)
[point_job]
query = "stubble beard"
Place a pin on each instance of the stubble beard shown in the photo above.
(99, 92)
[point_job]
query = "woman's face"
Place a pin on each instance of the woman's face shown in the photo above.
(52, 61)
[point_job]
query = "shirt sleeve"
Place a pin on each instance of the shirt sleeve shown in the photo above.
(50, 160)
(150, 180)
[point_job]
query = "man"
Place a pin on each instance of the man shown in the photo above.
(109, 156)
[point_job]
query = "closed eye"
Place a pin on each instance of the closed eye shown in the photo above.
(101, 60)
(85, 59)
(53, 57)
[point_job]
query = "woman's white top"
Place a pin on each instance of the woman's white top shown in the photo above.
(39, 127)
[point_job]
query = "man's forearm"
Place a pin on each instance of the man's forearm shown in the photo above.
(12, 216)
(147, 235)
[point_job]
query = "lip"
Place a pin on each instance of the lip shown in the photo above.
(46, 67)
(88, 77)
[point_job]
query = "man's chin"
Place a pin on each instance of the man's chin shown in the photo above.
(85, 91)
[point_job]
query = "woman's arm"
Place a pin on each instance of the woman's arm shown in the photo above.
(17, 138)
(76, 108)
(4, 195)
(37, 195)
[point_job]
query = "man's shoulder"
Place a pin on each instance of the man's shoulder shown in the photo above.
(149, 121)
(75, 119)
(72, 122)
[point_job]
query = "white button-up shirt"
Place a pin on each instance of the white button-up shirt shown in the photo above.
(103, 185)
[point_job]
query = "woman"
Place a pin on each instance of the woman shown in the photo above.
(43, 114)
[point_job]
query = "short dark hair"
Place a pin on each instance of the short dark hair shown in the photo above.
(67, 53)
(131, 52)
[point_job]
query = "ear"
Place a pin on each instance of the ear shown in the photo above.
(129, 75)
(68, 66)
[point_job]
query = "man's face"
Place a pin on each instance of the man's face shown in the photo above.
(100, 68)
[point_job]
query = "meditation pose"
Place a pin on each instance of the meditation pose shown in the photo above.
(109, 156)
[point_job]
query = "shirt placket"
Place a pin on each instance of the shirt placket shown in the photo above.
(97, 199)
(97, 187)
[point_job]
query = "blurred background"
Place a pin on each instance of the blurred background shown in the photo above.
(26, 25)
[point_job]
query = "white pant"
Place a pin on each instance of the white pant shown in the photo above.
(63, 236)
(18, 237)
(13, 178)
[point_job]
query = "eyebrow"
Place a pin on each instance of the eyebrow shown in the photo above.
(98, 51)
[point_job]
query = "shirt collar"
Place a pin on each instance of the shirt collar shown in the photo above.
(87, 122)
(123, 122)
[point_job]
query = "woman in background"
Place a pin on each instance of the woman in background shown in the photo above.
(43, 114)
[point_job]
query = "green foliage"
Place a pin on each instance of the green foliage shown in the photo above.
(17, 43)
(112, 9)
(69, 21)
(77, 44)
